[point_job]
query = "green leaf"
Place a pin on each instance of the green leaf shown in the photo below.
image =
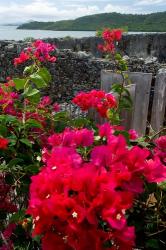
(80, 122)
(14, 162)
(9, 179)
(45, 74)
(26, 142)
(19, 216)
(8, 119)
(35, 98)
(28, 69)
(151, 187)
(61, 116)
(118, 56)
(32, 92)
(153, 243)
(19, 83)
(33, 169)
(117, 88)
(162, 185)
(13, 140)
(33, 123)
(38, 80)
(3, 130)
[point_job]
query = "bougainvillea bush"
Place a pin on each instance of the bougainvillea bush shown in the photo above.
(69, 183)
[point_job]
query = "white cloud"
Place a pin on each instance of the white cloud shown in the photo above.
(43, 10)
(53, 10)
(150, 2)
(120, 8)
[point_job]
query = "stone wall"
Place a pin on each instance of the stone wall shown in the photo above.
(73, 71)
(139, 45)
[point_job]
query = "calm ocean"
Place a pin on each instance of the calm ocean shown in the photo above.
(11, 33)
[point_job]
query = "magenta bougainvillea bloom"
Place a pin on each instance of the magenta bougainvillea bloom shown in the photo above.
(73, 195)
(38, 50)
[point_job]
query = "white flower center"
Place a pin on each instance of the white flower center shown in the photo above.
(37, 218)
(74, 214)
(119, 216)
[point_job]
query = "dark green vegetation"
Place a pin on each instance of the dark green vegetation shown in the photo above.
(150, 22)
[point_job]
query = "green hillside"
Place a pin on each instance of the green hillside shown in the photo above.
(150, 22)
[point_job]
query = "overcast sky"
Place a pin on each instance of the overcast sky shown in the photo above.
(45, 10)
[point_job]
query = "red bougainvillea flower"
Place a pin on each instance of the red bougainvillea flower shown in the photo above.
(22, 58)
(110, 38)
(96, 99)
(112, 35)
(3, 143)
(117, 34)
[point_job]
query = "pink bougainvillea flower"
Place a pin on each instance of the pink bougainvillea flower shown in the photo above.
(56, 107)
(160, 149)
(161, 143)
(155, 171)
(39, 50)
(133, 134)
(105, 130)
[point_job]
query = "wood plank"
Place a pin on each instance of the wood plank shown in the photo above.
(141, 104)
(159, 101)
(128, 115)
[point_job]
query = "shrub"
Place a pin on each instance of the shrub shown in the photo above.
(89, 184)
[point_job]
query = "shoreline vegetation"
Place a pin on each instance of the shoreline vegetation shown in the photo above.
(154, 22)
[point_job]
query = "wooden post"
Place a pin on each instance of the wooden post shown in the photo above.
(159, 101)
(141, 103)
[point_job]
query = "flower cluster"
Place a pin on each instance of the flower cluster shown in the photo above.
(8, 245)
(96, 99)
(160, 149)
(110, 37)
(39, 50)
(7, 98)
(11, 104)
(85, 190)
(5, 200)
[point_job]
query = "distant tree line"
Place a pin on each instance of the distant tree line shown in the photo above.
(155, 22)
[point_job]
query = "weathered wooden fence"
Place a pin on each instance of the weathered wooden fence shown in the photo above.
(142, 114)
(149, 102)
